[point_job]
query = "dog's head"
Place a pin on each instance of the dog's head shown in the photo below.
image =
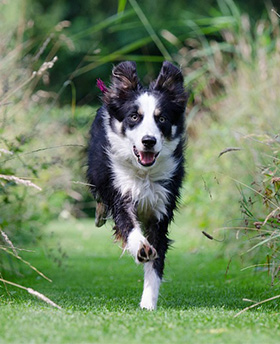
(147, 118)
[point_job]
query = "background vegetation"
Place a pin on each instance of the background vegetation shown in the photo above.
(51, 54)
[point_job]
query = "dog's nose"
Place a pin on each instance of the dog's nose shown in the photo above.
(149, 141)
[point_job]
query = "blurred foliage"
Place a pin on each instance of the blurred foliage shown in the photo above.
(234, 145)
(89, 36)
(40, 151)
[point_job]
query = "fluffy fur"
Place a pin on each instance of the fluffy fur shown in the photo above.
(136, 164)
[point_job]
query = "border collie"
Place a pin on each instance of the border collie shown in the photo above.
(136, 164)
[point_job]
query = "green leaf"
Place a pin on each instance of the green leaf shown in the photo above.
(121, 6)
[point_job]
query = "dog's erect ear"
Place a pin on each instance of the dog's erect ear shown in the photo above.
(124, 76)
(124, 80)
(171, 80)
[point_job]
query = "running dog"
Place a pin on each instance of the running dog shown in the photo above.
(136, 164)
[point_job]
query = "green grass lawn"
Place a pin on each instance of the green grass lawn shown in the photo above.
(99, 293)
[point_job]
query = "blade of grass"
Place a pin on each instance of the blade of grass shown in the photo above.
(18, 156)
(228, 7)
(263, 242)
(209, 22)
(120, 52)
(125, 26)
(121, 6)
(103, 24)
(250, 188)
(255, 266)
(136, 58)
(124, 50)
(150, 29)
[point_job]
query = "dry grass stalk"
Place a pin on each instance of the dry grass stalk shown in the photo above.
(27, 263)
(20, 181)
(16, 89)
(32, 292)
(46, 65)
(278, 15)
(8, 242)
(43, 47)
(5, 151)
(18, 249)
(256, 304)
(271, 214)
(81, 183)
(42, 297)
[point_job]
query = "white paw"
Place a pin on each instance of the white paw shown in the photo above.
(146, 253)
(148, 304)
(139, 247)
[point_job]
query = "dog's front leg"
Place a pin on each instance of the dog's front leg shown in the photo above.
(128, 229)
(139, 247)
(153, 271)
(152, 283)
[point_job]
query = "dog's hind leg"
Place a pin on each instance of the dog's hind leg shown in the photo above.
(100, 214)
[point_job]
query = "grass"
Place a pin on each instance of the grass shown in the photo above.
(99, 294)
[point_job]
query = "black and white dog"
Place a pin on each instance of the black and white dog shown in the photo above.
(136, 164)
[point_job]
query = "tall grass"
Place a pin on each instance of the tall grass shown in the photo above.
(26, 179)
(234, 138)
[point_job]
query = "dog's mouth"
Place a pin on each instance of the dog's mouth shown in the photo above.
(145, 158)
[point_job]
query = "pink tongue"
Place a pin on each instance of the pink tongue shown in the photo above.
(147, 158)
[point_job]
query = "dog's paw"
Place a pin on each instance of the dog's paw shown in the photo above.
(149, 306)
(146, 253)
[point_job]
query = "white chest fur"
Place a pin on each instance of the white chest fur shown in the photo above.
(149, 195)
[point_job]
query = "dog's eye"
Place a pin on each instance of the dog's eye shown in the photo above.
(134, 117)
(162, 119)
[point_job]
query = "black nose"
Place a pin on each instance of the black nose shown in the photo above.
(149, 141)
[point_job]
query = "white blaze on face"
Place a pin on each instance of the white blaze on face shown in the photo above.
(147, 105)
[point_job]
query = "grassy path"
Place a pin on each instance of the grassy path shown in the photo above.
(99, 295)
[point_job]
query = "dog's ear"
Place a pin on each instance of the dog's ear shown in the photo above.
(171, 81)
(124, 80)
(124, 76)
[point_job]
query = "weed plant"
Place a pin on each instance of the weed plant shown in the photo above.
(236, 82)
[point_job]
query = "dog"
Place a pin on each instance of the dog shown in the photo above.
(136, 164)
